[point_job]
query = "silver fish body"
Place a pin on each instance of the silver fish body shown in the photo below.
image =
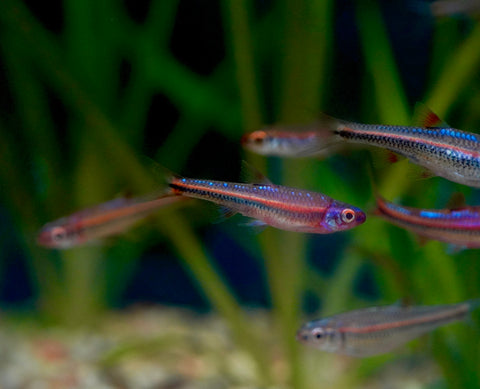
(309, 140)
(278, 206)
(447, 152)
(377, 330)
(110, 218)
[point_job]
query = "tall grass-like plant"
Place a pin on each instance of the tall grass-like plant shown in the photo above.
(72, 134)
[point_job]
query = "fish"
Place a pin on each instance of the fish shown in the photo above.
(444, 151)
(110, 218)
(460, 227)
(290, 141)
(378, 330)
(441, 150)
(451, 7)
(282, 207)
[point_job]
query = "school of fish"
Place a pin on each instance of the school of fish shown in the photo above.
(444, 151)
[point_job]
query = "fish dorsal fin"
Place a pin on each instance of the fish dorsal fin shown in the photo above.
(425, 117)
(251, 174)
(457, 201)
(404, 302)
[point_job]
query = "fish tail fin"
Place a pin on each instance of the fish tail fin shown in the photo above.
(163, 176)
(473, 304)
(329, 123)
(379, 199)
(328, 141)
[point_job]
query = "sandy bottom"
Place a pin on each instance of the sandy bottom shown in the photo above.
(166, 348)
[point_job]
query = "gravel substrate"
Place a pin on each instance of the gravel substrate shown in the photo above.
(167, 348)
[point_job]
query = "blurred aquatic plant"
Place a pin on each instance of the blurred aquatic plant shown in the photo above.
(73, 130)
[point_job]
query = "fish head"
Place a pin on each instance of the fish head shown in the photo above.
(340, 216)
(57, 236)
(320, 335)
(260, 142)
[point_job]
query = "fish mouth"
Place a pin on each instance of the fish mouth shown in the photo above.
(244, 139)
(361, 217)
(301, 336)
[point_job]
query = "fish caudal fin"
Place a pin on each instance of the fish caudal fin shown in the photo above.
(250, 174)
(162, 175)
(473, 304)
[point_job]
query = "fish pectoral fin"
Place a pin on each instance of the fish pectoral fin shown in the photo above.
(422, 240)
(455, 248)
(423, 116)
(251, 174)
(257, 225)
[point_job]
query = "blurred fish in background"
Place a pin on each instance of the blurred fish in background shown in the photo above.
(107, 219)
(378, 330)
(453, 7)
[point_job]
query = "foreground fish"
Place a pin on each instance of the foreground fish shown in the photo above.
(273, 205)
(459, 227)
(445, 151)
(107, 219)
(377, 330)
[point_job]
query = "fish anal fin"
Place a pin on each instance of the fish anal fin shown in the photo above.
(457, 201)
(417, 173)
(425, 117)
(383, 159)
(426, 174)
(422, 240)
(251, 174)
(257, 225)
(392, 157)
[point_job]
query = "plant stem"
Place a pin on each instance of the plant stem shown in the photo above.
(456, 74)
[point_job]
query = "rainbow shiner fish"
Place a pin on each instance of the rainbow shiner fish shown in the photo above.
(377, 330)
(274, 205)
(444, 151)
(110, 218)
(268, 204)
(459, 227)
(290, 141)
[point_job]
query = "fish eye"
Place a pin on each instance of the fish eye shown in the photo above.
(58, 234)
(318, 334)
(258, 137)
(348, 215)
